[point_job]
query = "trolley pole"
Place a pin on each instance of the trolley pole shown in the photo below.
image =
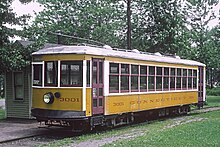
(129, 24)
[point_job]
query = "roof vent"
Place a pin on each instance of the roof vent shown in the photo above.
(107, 47)
(158, 54)
(135, 51)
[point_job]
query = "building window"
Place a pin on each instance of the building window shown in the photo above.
(143, 78)
(151, 78)
(37, 75)
(114, 78)
(134, 77)
(18, 86)
(51, 73)
(71, 73)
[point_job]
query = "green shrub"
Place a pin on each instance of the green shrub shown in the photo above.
(213, 91)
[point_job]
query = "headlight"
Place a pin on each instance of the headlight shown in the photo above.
(48, 98)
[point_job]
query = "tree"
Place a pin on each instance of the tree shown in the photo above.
(9, 56)
(96, 20)
(159, 26)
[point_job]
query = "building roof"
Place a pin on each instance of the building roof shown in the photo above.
(108, 52)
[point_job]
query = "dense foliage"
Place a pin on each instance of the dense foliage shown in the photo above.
(166, 26)
(11, 57)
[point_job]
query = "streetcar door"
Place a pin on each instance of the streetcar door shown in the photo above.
(97, 87)
(201, 86)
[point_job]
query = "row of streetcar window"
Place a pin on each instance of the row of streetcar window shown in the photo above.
(70, 74)
(141, 78)
(122, 77)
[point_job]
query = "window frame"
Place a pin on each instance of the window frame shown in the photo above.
(55, 84)
(153, 76)
(116, 75)
(167, 76)
(195, 78)
(69, 72)
(143, 75)
(190, 77)
(14, 86)
(135, 75)
(147, 72)
(161, 77)
(42, 74)
(128, 75)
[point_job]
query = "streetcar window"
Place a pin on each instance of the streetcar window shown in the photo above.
(172, 83)
(134, 77)
(159, 83)
(172, 78)
(166, 78)
(151, 83)
(124, 69)
(113, 83)
(151, 70)
(134, 83)
(143, 83)
(134, 69)
(190, 84)
(37, 75)
(114, 68)
(194, 79)
(51, 73)
(151, 78)
(194, 83)
(143, 70)
(124, 83)
(179, 79)
(166, 83)
(143, 78)
(178, 82)
(88, 73)
(125, 77)
(166, 71)
(114, 78)
(159, 78)
(184, 84)
(71, 73)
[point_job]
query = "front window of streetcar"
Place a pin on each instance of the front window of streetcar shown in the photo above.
(71, 73)
(37, 75)
(51, 73)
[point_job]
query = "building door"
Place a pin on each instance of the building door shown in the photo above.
(97, 87)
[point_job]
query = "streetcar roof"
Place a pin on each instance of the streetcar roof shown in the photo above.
(128, 54)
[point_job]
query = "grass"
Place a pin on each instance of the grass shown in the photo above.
(204, 132)
(194, 130)
(213, 101)
(198, 133)
(2, 114)
(214, 91)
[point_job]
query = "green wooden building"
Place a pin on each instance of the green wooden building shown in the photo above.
(18, 89)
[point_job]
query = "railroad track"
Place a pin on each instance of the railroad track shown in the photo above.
(50, 135)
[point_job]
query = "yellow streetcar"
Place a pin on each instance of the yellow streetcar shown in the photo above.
(80, 86)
